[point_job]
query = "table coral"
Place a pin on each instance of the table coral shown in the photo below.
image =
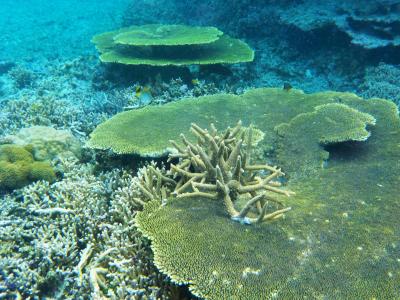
(166, 35)
(339, 241)
(147, 131)
(334, 123)
(163, 45)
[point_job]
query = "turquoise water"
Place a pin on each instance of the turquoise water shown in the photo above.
(97, 203)
(38, 29)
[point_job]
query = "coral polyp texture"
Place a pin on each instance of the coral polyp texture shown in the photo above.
(47, 143)
(19, 168)
(147, 131)
(163, 45)
(341, 157)
(166, 35)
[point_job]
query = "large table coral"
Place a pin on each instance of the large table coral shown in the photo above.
(163, 45)
(147, 131)
(341, 238)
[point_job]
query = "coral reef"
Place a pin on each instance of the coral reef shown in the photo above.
(382, 81)
(18, 168)
(164, 45)
(54, 244)
(217, 167)
(47, 143)
(78, 94)
(22, 77)
(323, 249)
(337, 123)
(261, 107)
(370, 24)
(47, 111)
(292, 38)
(78, 238)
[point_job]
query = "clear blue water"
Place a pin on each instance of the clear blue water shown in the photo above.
(58, 29)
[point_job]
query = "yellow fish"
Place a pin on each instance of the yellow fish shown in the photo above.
(195, 81)
(143, 94)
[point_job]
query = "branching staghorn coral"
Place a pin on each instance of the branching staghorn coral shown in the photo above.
(218, 166)
(76, 238)
(153, 184)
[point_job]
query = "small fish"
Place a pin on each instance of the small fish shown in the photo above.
(138, 91)
(143, 94)
(195, 81)
(287, 86)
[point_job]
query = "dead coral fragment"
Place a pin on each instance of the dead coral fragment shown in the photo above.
(218, 167)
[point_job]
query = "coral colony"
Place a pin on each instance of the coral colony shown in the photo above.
(166, 150)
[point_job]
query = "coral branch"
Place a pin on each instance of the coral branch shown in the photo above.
(225, 172)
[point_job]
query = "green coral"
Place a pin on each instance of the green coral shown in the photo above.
(18, 168)
(41, 170)
(163, 45)
(166, 35)
(332, 123)
(219, 167)
(147, 131)
(12, 153)
(341, 238)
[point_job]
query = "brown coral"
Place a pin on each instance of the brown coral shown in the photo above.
(218, 167)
